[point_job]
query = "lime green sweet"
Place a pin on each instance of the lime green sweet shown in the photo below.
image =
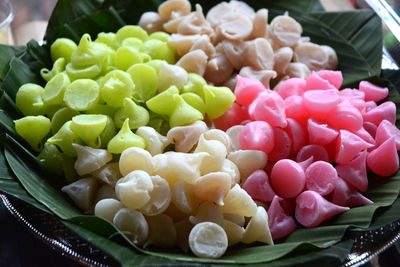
(33, 129)
(145, 79)
(126, 57)
(29, 100)
(194, 84)
(158, 49)
(132, 42)
(89, 127)
(89, 72)
(124, 139)
(162, 36)
(60, 117)
(58, 66)
(183, 113)
(130, 31)
(53, 93)
(102, 109)
(159, 123)
(82, 94)
(195, 101)
(163, 103)
(115, 87)
(108, 133)
(62, 48)
(64, 138)
(155, 64)
(107, 38)
(217, 100)
(86, 54)
(137, 115)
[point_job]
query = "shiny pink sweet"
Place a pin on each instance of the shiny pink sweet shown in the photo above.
(351, 94)
(316, 151)
(385, 111)
(370, 128)
(295, 109)
(320, 134)
(306, 163)
(384, 160)
(345, 195)
(257, 135)
(333, 77)
(247, 89)
(258, 187)
(348, 146)
(355, 172)
(280, 224)
(385, 131)
(282, 145)
(292, 87)
(268, 106)
(312, 209)
(287, 178)
(320, 102)
(372, 91)
(366, 136)
(316, 82)
(345, 116)
(321, 177)
(235, 115)
(297, 133)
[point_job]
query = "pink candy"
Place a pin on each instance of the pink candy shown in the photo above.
(355, 172)
(258, 187)
(345, 195)
(268, 106)
(320, 134)
(321, 177)
(287, 178)
(373, 92)
(257, 135)
(282, 145)
(384, 160)
(385, 131)
(315, 151)
(280, 224)
(247, 89)
(292, 87)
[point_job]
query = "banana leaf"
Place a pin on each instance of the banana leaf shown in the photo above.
(355, 35)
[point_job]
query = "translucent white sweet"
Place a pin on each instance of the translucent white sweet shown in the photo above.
(82, 192)
(194, 61)
(237, 201)
(172, 25)
(160, 197)
(107, 208)
(134, 189)
(204, 43)
(233, 51)
(314, 56)
(162, 232)
(297, 70)
(108, 174)
(248, 161)
(183, 229)
(183, 43)
(214, 14)
(184, 198)
(260, 24)
(218, 69)
(171, 75)
(151, 22)
(208, 240)
(259, 54)
(234, 26)
(219, 135)
(185, 137)
(105, 191)
(162, 169)
(235, 218)
(155, 142)
(332, 62)
(285, 31)
(243, 8)
(90, 159)
(282, 57)
(234, 232)
(135, 158)
(187, 166)
(232, 170)
(207, 212)
(195, 23)
(133, 224)
(234, 132)
(213, 187)
(264, 76)
(216, 154)
(257, 229)
(174, 8)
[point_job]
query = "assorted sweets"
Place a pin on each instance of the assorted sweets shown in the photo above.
(170, 131)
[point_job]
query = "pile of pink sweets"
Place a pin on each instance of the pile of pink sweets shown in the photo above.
(320, 141)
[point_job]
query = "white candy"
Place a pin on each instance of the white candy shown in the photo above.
(155, 142)
(183, 197)
(171, 75)
(162, 231)
(160, 197)
(186, 165)
(135, 158)
(234, 132)
(216, 154)
(257, 229)
(90, 159)
(248, 161)
(107, 208)
(207, 212)
(133, 224)
(82, 192)
(232, 170)
(235, 218)
(237, 201)
(108, 174)
(185, 137)
(105, 191)
(219, 135)
(162, 169)
(208, 240)
(234, 232)
(213, 187)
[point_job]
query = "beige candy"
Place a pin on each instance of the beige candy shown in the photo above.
(233, 51)
(207, 212)
(105, 191)
(235, 218)
(194, 61)
(234, 133)
(162, 169)
(162, 232)
(172, 25)
(216, 151)
(259, 54)
(183, 229)
(135, 158)
(108, 174)
(243, 8)
(174, 8)
(234, 232)
(332, 63)
(208, 240)
(258, 229)
(298, 69)
(183, 43)
(170, 75)
(235, 26)
(82, 192)
(285, 31)
(107, 208)
(204, 43)
(218, 69)
(195, 23)
(185, 137)
(314, 56)
(219, 135)
(238, 201)
(232, 170)
(282, 57)
(155, 142)
(90, 159)
(187, 166)
(231, 82)
(248, 161)
(160, 197)
(133, 224)
(260, 24)
(213, 187)
(183, 197)
(151, 22)
(264, 76)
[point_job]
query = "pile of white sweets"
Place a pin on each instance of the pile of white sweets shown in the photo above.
(190, 197)
(235, 39)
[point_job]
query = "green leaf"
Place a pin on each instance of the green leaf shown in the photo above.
(6, 54)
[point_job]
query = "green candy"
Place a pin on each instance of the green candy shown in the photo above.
(86, 54)
(115, 87)
(29, 100)
(33, 129)
(58, 66)
(82, 94)
(162, 36)
(60, 117)
(126, 57)
(163, 103)
(89, 127)
(62, 48)
(159, 123)
(124, 139)
(54, 90)
(145, 79)
(91, 71)
(102, 109)
(158, 49)
(137, 115)
(183, 113)
(64, 138)
(195, 101)
(106, 38)
(130, 31)
(132, 42)
(108, 133)
(194, 84)
(155, 64)
(217, 100)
